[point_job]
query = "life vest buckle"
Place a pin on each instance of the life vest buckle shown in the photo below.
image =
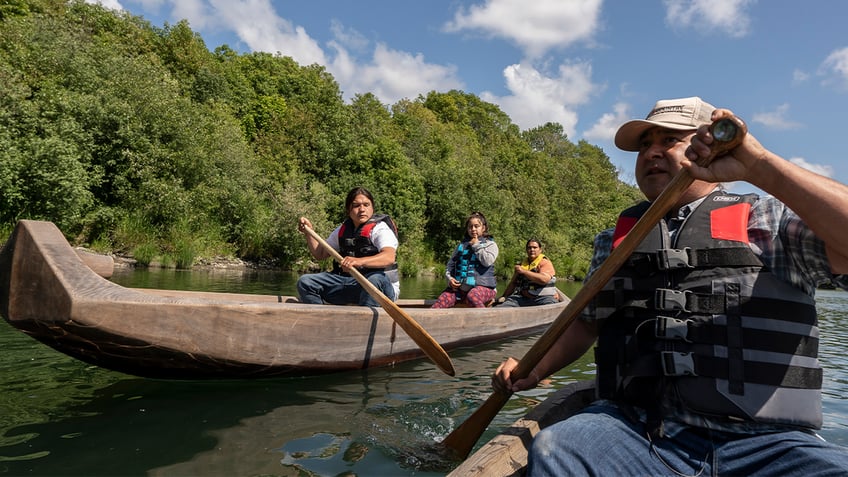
(675, 363)
(673, 258)
(670, 328)
(671, 300)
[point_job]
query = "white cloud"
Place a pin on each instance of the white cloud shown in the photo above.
(110, 4)
(822, 169)
(800, 76)
(536, 99)
(776, 119)
(727, 16)
(199, 14)
(535, 26)
(392, 75)
(257, 24)
(348, 37)
(604, 129)
(835, 68)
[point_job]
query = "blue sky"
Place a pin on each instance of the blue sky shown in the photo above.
(589, 65)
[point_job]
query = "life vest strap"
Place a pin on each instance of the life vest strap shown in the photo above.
(689, 258)
(669, 301)
(670, 329)
(677, 364)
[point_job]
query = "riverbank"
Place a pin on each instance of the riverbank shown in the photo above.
(226, 263)
(213, 263)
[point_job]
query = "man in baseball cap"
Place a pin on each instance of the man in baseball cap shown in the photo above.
(661, 140)
(706, 338)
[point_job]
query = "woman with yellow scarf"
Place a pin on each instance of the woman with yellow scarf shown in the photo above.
(534, 279)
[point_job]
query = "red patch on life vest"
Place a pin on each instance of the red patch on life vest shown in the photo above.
(730, 223)
(364, 232)
(622, 227)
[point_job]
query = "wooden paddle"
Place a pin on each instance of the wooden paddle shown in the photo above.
(419, 335)
(728, 133)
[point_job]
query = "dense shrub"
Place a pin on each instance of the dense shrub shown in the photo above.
(140, 138)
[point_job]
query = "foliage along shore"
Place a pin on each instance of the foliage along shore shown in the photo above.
(139, 140)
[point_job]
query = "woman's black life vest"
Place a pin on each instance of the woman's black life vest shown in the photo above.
(356, 242)
(701, 322)
(524, 285)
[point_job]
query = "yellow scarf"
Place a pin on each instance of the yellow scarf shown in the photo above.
(536, 262)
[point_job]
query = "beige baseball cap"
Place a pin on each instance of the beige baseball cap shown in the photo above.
(680, 114)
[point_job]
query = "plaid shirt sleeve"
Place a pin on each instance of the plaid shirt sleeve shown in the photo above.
(602, 250)
(788, 247)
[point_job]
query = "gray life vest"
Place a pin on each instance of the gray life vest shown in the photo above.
(467, 270)
(702, 322)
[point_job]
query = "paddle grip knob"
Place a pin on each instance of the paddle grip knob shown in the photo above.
(727, 132)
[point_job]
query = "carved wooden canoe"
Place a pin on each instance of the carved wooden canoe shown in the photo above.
(506, 454)
(48, 292)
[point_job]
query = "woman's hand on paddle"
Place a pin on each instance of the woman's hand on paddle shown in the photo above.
(502, 380)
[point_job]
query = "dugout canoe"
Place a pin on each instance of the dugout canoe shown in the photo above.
(506, 454)
(48, 292)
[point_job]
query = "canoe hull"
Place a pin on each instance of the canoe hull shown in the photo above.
(48, 292)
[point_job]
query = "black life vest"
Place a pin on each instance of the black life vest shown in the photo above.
(356, 242)
(524, 285)
(703, 323)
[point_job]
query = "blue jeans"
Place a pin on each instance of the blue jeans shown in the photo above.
(327, 287)
(519, 300)
(601, 441)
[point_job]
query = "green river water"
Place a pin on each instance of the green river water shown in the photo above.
(62, 417)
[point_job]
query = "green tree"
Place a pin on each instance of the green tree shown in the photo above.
(140, 137)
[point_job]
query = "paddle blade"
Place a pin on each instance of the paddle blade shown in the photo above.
(418, 334)
(460, 442)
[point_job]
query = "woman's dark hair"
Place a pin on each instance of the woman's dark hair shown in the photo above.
(482, 218)
(531, 240)
(355, 192)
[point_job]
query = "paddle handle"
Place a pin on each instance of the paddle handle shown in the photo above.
(415, 331)
(728, 133)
